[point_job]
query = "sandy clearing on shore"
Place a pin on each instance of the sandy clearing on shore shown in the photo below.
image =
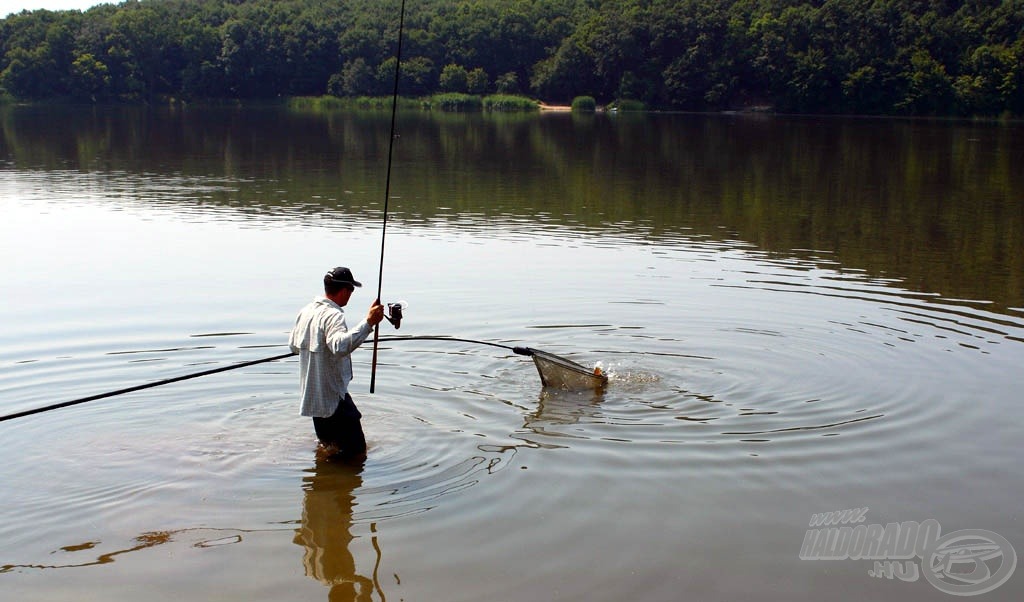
(547, 107)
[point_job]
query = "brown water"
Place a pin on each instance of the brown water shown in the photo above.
(797, 315)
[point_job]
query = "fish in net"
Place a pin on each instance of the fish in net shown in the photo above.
(560, 373)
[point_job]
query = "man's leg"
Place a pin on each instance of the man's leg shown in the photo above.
(343, 430)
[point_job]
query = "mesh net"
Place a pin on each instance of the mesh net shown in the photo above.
(561, 373)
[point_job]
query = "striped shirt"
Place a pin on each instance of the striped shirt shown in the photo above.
(324, 344)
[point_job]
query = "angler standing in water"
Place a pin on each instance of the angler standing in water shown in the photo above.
(324, 344)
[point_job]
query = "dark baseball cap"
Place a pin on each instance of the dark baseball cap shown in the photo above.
(341, 275)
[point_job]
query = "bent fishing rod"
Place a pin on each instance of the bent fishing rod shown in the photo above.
(64, 404)
(387, 189)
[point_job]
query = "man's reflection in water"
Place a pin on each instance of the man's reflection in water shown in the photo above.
(326, 529)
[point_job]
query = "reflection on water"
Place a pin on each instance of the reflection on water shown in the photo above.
(198, 537)
(935, 207)
(142, 542)
(796, 316)
(326, 530)
(558, 409)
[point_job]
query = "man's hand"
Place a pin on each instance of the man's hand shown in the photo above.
(376, 313)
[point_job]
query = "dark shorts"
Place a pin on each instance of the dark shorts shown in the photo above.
(343, 429)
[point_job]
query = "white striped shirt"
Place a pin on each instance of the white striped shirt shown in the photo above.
(324, 344)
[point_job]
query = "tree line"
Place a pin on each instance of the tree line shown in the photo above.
(904, 57)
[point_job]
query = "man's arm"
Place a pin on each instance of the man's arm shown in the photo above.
(344, 342)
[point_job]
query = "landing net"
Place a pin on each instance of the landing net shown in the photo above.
(561, 373)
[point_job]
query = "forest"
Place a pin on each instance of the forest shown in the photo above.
(871, 57)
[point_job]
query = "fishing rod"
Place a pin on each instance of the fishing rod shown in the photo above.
(167, 381)
(387, 191)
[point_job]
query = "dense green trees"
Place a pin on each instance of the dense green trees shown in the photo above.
(850, 56)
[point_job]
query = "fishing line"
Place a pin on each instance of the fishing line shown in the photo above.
(552, 368)
(387, 189)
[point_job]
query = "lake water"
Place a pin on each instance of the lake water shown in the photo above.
(798, 316)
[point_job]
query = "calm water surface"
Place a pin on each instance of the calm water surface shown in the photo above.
(798, 316)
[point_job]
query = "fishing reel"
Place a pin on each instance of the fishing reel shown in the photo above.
(395, 313)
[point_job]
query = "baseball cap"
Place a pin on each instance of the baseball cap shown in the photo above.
(341, 275)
